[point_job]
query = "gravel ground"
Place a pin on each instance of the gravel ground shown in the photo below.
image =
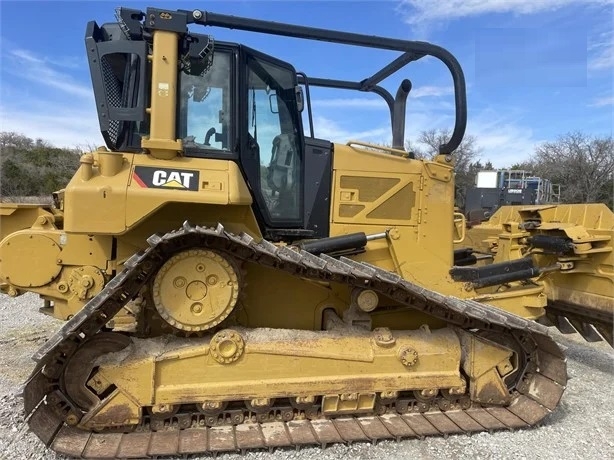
(581, 428)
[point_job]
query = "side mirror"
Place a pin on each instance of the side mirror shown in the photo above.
(300, 100)
(273, 103)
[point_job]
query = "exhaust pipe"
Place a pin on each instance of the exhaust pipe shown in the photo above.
(398, 123)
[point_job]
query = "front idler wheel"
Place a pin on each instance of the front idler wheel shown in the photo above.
(80, 368)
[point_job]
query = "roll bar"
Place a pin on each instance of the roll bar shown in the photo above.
(412, 51)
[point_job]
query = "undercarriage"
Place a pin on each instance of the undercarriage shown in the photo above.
(96, 393)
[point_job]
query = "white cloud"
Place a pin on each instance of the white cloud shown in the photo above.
(430, 10)
(431, 91)
(67, 127)
(601, 49)
(48, 100)
(325, 128)
(424, 120)
(501, 137)
(352, 103)
(44, 72)
(378, 103)
(603, 101)
(502, 140)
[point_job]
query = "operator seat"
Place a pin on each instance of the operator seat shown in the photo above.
(281, 169)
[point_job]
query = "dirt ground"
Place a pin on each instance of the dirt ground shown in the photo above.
(581, 428)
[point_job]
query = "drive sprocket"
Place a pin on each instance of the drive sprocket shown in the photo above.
(196, 289)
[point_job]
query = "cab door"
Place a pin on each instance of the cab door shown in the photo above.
(272, 154)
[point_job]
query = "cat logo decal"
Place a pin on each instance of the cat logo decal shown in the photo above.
(177, 179)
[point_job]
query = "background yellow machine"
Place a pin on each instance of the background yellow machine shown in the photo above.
(230, 282)
(575, 241)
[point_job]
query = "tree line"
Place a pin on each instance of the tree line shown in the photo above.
(33, 167)
(582, 164)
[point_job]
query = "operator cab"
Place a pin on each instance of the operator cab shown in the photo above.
(233, 103)
(244, 106)
(236, 104)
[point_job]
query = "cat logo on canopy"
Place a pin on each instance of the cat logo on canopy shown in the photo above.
(177, 179)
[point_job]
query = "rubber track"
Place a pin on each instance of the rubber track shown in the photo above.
(536, 395)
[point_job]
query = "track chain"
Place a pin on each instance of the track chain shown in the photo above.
(536, 395)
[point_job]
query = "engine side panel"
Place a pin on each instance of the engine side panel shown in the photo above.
(375, 192)
(124, 189)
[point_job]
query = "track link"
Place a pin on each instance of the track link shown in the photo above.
(536, 394)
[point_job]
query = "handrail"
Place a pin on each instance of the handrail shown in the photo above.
(382, 148)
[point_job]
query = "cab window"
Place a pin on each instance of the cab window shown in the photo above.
(272, 127)
(205, 106)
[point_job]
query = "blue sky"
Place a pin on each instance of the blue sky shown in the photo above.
(535, 69)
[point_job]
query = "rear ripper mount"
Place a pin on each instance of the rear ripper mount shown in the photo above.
(535, 388)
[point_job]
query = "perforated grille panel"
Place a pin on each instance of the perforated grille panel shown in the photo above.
(114, 95)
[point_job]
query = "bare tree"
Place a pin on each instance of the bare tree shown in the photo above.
(582, 164)
(419, 152)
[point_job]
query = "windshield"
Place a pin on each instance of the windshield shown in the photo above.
(205, 110)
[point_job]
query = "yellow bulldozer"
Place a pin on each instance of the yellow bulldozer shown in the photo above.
(231, 282)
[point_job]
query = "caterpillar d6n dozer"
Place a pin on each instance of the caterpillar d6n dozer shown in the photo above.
(229, 282)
